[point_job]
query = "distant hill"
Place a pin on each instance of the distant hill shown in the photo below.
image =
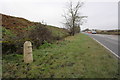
(16, 30)
(110, 32)
(16, 23)
(8, 21)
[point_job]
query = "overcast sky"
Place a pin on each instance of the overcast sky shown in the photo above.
(102, 14)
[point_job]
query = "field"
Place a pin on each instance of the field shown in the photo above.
(76, 56)
(109, 32)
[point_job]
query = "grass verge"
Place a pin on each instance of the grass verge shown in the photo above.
(76, 56)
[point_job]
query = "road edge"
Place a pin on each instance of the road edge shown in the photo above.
(106, 48)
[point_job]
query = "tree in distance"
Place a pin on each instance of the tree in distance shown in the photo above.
(72, 17)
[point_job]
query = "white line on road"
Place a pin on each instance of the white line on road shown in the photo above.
(107, 48)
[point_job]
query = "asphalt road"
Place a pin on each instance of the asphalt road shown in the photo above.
(108, 41)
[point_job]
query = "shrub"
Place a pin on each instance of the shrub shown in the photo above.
(39, 35)
(12, 43)
(45, 45)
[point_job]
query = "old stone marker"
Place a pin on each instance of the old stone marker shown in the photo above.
(28, 57)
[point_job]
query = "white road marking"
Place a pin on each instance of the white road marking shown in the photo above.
(106, 48)
(113, 37)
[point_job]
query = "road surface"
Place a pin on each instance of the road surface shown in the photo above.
(108, 41)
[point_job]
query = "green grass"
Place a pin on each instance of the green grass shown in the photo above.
(57, 32)
(7, 32)
(28, 28)
(74, 57)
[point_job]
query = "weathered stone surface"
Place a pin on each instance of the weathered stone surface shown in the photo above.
(28, 56)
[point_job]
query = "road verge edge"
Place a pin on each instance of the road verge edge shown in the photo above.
(106, 48)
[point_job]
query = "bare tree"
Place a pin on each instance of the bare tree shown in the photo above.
(73, 20)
